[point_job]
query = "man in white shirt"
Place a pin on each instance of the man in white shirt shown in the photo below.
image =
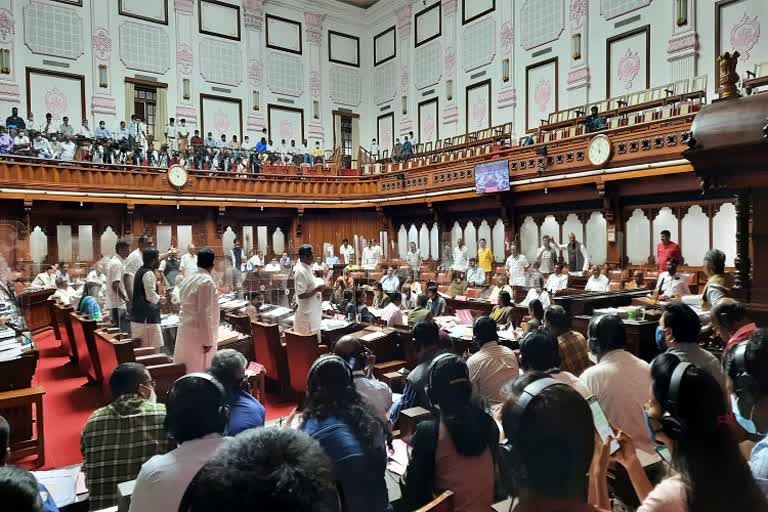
(84, 130)
(145, 302)
(597, 282)
(133, 263)
(460, 256)
(122, 133)
(141, 135)
(46, 279)
(21, 143)
(500, 286)
(374, 149)
(577, 257)
(347, 251)
(196, 419)
(619, 380)
(198, 334)
(547, 255)
(171, 134)
(517, 266)
(375, 393)
(670, 284)
(557, 280)
(391, 313)
(475, 275)
(493, 366)
(370, 259)
(257, 260)
(390, 283)
(413, 256)
(182, 132)
(42, 147)
(68, 149)
(189, 261)
(116, 295)
(309, 299)
(378, 252)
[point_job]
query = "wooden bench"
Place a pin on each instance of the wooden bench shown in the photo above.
(35, 445)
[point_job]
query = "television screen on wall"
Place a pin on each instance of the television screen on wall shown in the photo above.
(492, 177)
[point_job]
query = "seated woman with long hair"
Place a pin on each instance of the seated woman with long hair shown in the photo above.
(687, 414)
(88, 304)
(354, 438)
(535, 318)
(502, 312)
(457, 450)
(380, 299)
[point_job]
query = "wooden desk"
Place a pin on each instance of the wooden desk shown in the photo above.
(17, 374)
(32, 445)
(641, 335)
(585, 303)
(36, 309)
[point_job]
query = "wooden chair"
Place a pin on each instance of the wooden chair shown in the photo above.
(428, 276)
(35, 445)
(269, 351)
(442, 288)
(61, 316)
(443, 503)
(115, 348)
(443, 278)
(473, 293)
(87, 358)
(301, 351)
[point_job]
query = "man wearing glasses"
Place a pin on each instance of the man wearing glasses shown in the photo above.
(118, 438)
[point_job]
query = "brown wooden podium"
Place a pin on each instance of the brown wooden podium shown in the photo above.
(36, 309)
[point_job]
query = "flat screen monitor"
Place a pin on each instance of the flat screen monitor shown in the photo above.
(492, 177)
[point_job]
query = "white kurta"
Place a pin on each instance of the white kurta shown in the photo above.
(198, 322)
(517, 267)
(369, 257)
(346, 253)
(461, 258)
(309, 311)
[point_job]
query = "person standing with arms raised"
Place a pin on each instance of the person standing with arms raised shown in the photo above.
(199, 317)
(309, 296)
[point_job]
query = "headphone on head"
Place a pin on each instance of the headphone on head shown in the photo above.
(328, 360)
(671, 423)
(746, 385)
(223, 408)
(593, 342)
(431, 370)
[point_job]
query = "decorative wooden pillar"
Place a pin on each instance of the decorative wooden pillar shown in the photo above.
(743, 279)
(220, 222)
(27, 225)
(509, 218)
(299, 225)
(130, 209)
(613, 225)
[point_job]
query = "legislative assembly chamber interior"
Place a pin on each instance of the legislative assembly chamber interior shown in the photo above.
(384, 255)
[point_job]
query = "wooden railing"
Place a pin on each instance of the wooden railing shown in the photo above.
(564, 161)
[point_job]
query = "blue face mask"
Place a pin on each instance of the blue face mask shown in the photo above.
(747, 424)
(661, 448)
(661, 342)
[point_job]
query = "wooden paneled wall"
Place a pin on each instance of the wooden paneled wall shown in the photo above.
(320, 227)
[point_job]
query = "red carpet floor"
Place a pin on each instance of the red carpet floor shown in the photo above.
(67, 404)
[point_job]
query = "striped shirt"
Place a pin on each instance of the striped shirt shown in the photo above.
(573, 352)
(490, 368)
(116, 441)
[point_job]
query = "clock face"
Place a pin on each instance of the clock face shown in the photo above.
(177, 176)
(599, 150)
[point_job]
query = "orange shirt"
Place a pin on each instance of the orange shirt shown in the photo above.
(664, 252)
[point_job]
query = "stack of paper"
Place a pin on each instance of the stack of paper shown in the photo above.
(61, 483)
(373, 336)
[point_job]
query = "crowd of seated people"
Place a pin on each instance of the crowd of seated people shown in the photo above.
(129, 144)
(677, 427)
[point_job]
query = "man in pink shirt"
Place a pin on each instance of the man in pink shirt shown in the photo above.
(667, 249)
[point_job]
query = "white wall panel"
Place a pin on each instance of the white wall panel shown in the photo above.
(529, 238)
(146, 9)
(53, 30)
(470, 239)
(278, 241)
(163, 237)
(285, 124)
(183, 238)
(638, 238)
(283, 34)
(694, 237)
(64, 243)
(221, 62)
(144, 47)
(221, 117)
(84, 243)
(499, 245)
(573, 225)
(402, 241)
(59, 95)
(724, 232)
(665, 219)
(429, 121)
(219, 19)
(38, 245)
(434, 242)
(423, 242)
(551, 227)
(597, 239)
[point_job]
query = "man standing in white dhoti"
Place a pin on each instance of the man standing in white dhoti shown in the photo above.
(309, 297)
(199, 317)
(170, 135)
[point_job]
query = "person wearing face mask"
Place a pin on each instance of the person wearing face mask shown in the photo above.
(118, 438)
(679, 328)
(746, 366)
(687, 414)
(42, 147)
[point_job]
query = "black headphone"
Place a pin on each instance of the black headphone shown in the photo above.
(746, 385)
(221, 394)
(671, 423)
(327, 360)
(593, 342)
(430, 370)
